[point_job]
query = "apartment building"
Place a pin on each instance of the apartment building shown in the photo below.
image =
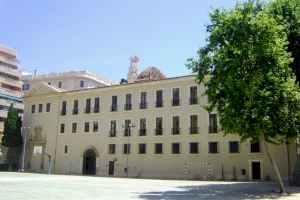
(10, 88)
(153, 127)
(71, 80)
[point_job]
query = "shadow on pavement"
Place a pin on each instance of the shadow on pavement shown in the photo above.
(230, 191)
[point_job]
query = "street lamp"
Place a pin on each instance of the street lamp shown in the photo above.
(127, 127)
(23, 129)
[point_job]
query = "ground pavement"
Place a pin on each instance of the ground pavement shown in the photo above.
(28, 186)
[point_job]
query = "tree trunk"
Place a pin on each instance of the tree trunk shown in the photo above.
(288, 163)
(279, 179)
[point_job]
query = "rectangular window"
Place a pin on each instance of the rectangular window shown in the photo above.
(193, 95)
(126, 148)
(176, 125)
(213, 147)
(127, 131)
(143, 130)
(159, 126)
(33, 108)
(97, 105)
(81, 83)
(95, 126)
(40, 108)
(112, 132)
(213, 123)
(254, 147)
(59, 84)
(88, 105)
(114, 103)
(86, 127)
(62, 128)
(48, 107)
(143, 103)
(64, 108)
(159, 98)
(175, 148)
(128, 104)
(75, 107)
(66, 149)
(158, 148)
(194, 124)
(112, 148)
(233, 147)
(142, 148)
(194, 147)
(176, 99)
(74, 127)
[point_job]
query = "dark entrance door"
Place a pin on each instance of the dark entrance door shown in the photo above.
(89, 162)
(256, 173)
(111, 168)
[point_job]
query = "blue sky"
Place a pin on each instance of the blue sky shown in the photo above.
(100, 36)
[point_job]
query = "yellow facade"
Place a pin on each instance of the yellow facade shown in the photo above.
(72, 153)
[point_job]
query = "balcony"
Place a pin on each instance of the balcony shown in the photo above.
(194, 130)
(11, 92)
(127, 132)
(128, 106)
(159, 104)
(63, 112)
(13, 62)
(13, 72)
(143, 105)
(112, 133)
(97, 109)
(87, 110)
(142, 132)
(175, 131)
(213, 129)
(193, 100)
(7, 103)
(158, 131)
(175, 102)
(114, 108)
(75, 111)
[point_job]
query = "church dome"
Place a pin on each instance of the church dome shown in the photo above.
(151, 74)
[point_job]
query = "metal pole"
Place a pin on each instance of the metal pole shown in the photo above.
(24, 147)
(127, 155)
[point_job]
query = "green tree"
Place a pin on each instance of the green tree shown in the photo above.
(245, 67)
(12, 137)
(287, 13)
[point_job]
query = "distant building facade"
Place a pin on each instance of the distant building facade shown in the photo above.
(72, 80)
(153, 127)
(11, 86)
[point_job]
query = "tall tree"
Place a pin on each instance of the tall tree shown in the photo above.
(287, 13)
(245, 67)
(12, 137)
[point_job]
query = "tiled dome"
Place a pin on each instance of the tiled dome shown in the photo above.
(151, 74)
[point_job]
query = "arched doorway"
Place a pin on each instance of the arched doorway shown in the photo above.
(89, 162)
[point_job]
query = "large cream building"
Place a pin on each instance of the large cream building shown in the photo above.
(151, 127)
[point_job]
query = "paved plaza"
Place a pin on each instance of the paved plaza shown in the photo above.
(27, 186)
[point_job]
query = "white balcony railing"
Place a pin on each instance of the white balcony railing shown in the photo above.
(13, 62)
(13, 72)
(11, 92)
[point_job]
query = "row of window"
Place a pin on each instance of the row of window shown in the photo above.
(213, 148)
(128, 102)
(176, 130)
(40, 108)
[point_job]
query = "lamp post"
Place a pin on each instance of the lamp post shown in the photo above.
(127, 127)
(23, 129)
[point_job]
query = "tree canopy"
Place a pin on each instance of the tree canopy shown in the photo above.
(249, 68)
(12, 129)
